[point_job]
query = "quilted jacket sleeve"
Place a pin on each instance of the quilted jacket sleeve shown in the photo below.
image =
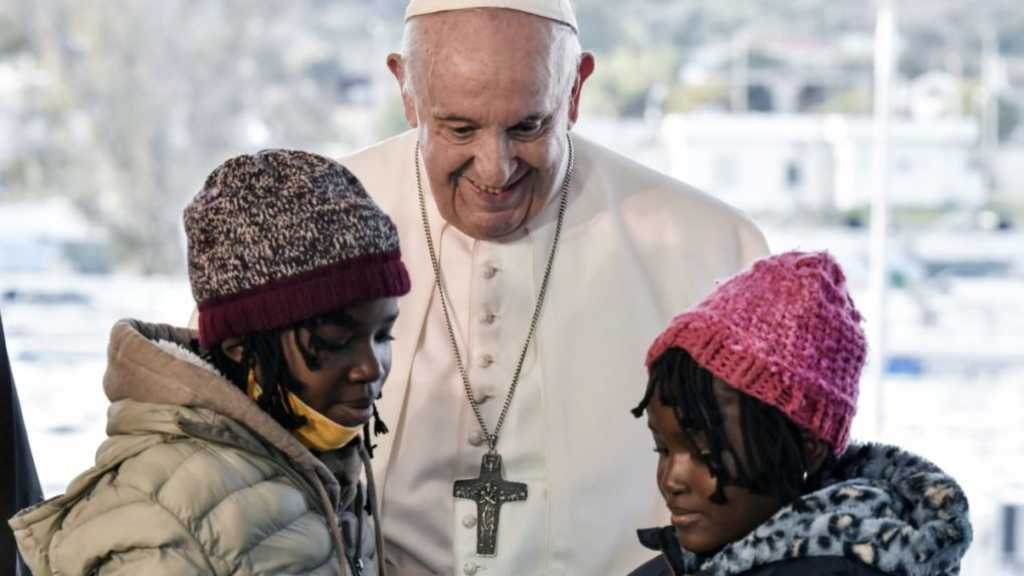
(190, 507)
(123, 522)
(169, 562)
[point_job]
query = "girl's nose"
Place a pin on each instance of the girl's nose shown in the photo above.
(367, 366)
(679, 472)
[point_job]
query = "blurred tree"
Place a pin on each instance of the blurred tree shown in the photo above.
(1009, 117)
(627, 76)
(852, 101)
(134, 102)
(12, 36)
(683, 98)
(146, 98)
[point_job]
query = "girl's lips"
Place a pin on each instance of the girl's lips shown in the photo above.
(360, 404)
(360, 412)
(685, 518)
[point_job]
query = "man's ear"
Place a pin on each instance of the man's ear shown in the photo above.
(815, 452)
(399, 69)
(583, 71)
(232, 348)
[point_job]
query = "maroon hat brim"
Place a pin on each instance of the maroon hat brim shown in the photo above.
(303, 296)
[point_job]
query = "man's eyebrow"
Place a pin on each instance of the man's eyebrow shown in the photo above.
(453, 118)
(535, 117)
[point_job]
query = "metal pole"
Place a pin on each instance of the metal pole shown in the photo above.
(990, 85)
(872, 403)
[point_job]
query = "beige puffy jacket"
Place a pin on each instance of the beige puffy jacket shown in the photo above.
(196, 479)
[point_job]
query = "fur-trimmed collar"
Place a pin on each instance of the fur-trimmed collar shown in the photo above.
(880, 505)
(158, 364)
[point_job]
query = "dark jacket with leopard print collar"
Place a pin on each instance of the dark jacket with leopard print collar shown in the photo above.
(881, 510)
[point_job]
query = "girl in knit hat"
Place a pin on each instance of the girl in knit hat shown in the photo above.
(236, 449)
(749, 400)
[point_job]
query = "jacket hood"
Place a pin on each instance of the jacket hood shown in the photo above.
(880, 505)
(156, 364)
(159, 386)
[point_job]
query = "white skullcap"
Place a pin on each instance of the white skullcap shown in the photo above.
(558, 10)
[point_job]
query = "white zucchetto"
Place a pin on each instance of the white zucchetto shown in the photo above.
(558, 10)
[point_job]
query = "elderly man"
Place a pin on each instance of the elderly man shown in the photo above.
(514, 452)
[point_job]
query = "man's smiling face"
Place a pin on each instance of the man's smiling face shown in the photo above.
(493, 99)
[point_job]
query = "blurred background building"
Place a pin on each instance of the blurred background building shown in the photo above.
(112, 113)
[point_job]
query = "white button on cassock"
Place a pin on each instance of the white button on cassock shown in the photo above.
(484, 393)
(490, 271)
(488, 318)
(469, 521)
(470, 568)
(478, 438)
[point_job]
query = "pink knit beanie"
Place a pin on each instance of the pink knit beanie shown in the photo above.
(785, 332)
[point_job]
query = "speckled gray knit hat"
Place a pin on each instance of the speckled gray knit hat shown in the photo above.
(282, 236)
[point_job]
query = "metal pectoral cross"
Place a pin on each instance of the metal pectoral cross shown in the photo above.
(489, 491)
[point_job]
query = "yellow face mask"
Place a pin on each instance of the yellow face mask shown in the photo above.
(319, 433)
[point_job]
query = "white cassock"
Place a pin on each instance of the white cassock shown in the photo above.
(636, 249)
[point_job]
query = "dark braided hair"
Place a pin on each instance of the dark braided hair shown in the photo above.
(264, 349)
(773, 463)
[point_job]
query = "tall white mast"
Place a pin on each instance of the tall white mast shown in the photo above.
(872, 392)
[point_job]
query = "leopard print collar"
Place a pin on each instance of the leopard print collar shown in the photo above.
(880, 505)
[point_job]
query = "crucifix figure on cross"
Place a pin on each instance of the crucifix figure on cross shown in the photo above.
(489, 490)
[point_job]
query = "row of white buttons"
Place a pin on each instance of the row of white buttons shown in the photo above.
(470, 568)
(478, 438)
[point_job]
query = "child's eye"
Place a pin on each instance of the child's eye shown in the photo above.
(385, 337)
(323, 343)
(332, 345)
(697, 442)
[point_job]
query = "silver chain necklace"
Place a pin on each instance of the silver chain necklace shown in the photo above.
(490, 490)
(492, 439)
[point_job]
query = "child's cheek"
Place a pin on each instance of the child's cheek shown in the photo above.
(662, 473)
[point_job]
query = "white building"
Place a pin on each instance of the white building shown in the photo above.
(781, 163)
(1008, 173)
(935, 94)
